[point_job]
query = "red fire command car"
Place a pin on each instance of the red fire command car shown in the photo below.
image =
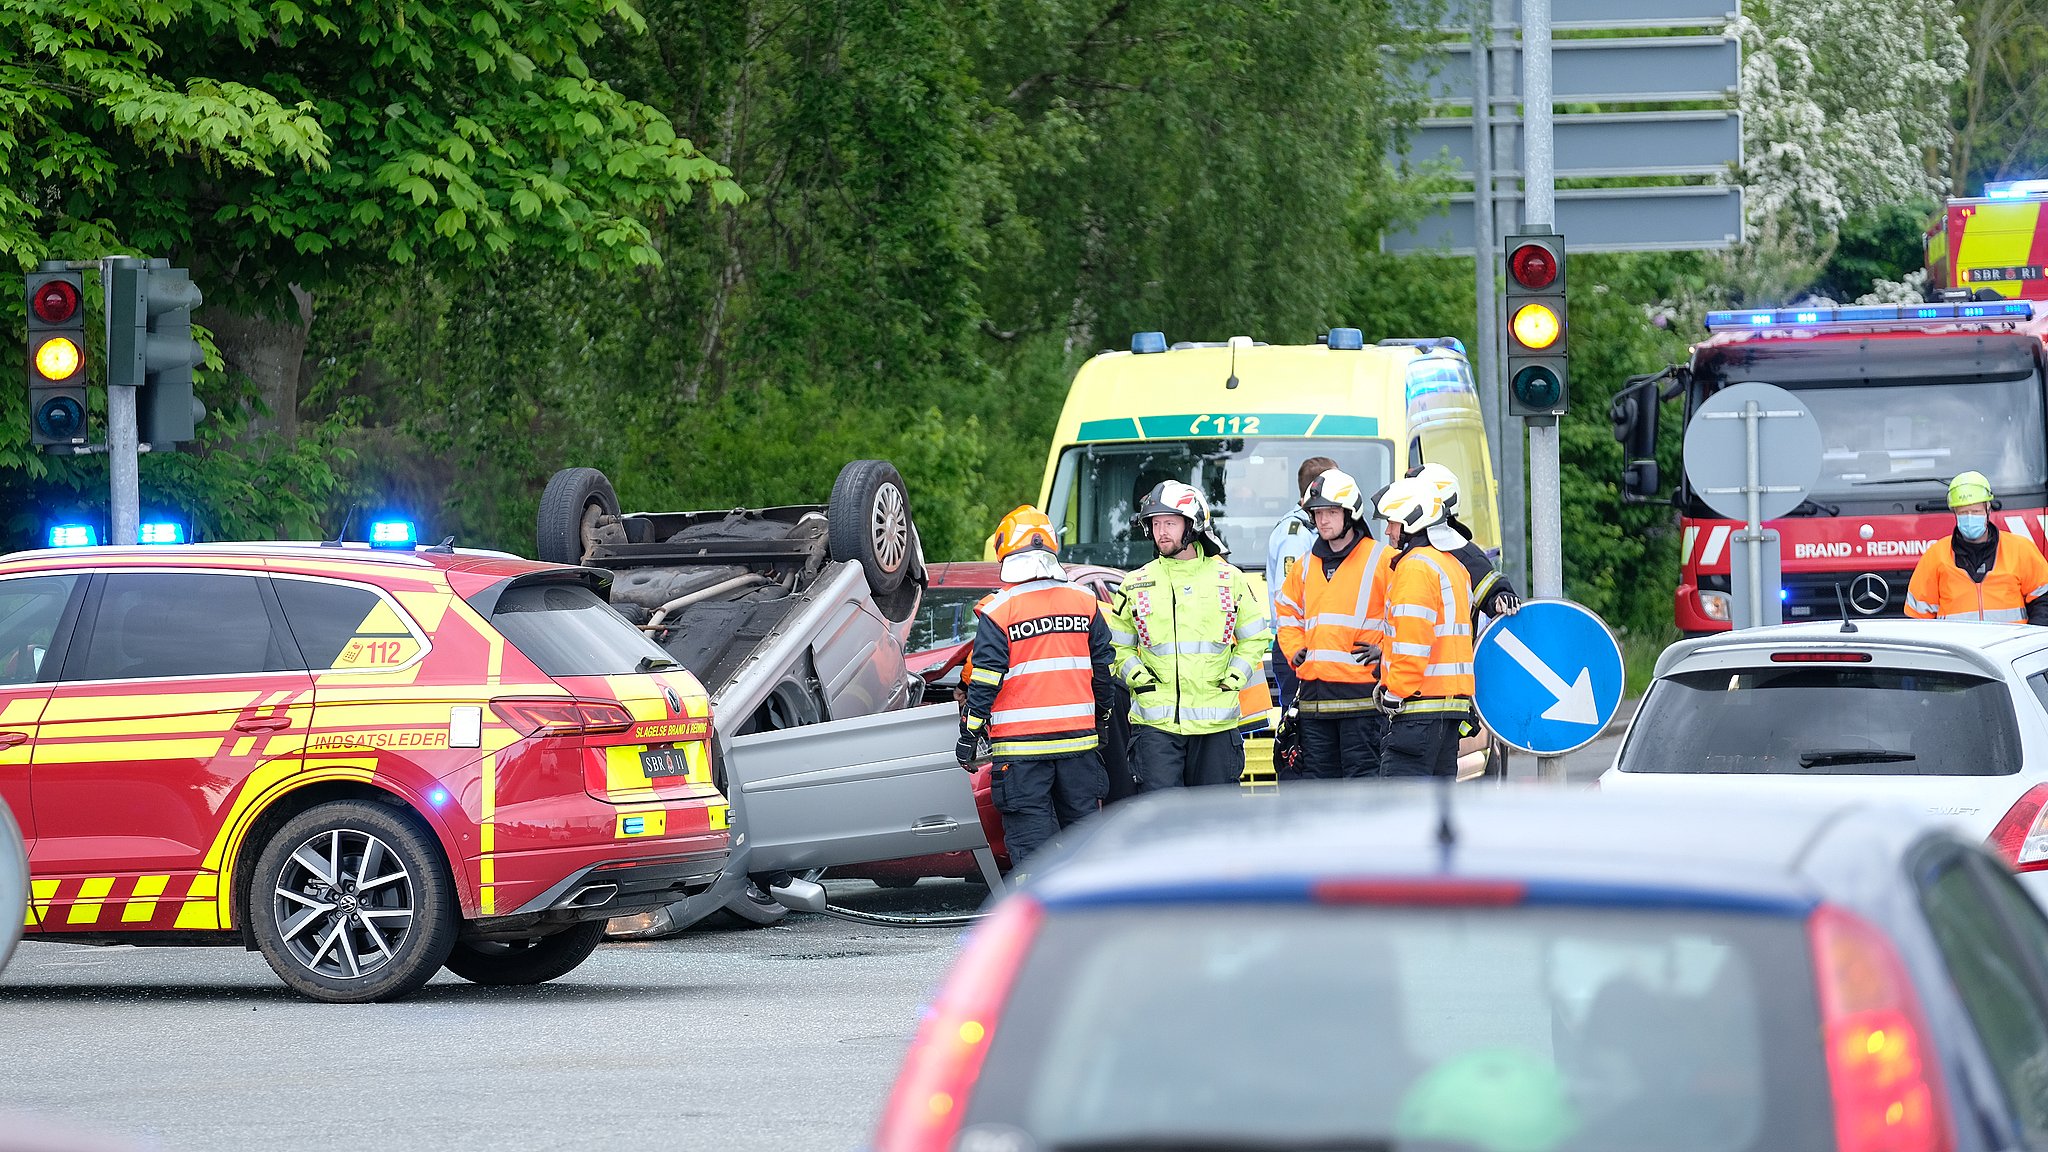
(1906, 396)
(366, 764)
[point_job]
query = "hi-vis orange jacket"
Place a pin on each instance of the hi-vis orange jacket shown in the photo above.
(1429, 608)
(1942, 591)
(1041, 661)
(1327, 615)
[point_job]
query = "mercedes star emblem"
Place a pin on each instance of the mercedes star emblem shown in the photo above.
(1869, 593)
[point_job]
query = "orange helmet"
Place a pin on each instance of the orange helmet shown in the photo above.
(1024, 530)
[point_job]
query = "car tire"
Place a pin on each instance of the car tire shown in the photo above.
(569, 508)
(507, 963)
(392, 891)
(869, 520)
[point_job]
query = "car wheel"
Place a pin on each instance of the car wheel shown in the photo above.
(537, 961)
(352, 902)
(869, 521)
(569, 510)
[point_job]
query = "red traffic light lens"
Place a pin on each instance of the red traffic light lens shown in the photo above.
(55, 301)
(1533, 266)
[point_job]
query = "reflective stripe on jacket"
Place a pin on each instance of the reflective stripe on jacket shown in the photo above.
(1188, 635)
(1327, 615)
(1040, 651)
(1940, 590)
(1429, 611)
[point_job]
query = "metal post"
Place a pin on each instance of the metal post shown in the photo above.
(1486, 353)
(124, 474)
(1514, 499)
(1753, 486)
(1546, 527)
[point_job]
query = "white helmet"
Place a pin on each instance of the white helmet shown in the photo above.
(1415, 503)
(1335, 489)
(1445, 480)
(1173, 498)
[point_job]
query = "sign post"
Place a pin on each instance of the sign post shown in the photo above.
(1752, 452)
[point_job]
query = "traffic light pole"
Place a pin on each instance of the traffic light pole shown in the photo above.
(124, 441)
(1546, 520)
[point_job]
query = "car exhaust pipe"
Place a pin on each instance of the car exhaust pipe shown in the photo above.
(799, 895)
(591, 896)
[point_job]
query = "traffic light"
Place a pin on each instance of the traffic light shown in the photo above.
(150, 346)
(1536, 325)
(56, 359)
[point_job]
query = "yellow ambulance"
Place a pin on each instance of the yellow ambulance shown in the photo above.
(1236, 418)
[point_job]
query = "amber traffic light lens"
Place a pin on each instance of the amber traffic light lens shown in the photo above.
(57, 358)
(1533, 266)
(56, 302)
(1536, 326)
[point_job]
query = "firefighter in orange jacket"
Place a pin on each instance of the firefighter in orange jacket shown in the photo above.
(1038, 686)
(1426, 686)
(1330, 632)
(1978, 572)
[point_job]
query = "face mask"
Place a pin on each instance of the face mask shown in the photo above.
(1973, 526)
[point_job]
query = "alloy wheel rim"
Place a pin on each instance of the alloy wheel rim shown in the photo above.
(343, 904)
(891, 527)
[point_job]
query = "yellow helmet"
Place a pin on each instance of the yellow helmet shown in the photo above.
(1025, 529)
(1969, 488)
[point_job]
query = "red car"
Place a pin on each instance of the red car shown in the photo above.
(940, 639)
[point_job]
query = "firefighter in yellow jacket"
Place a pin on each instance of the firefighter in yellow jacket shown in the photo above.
(1038, 682)
(1426, 684)
(1978, 572)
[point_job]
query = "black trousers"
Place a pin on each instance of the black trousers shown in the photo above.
(1421, 746)
(1341, 747)
(1163, 759)
(1037, 798)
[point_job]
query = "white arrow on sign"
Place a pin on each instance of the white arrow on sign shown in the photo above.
(1574, 701)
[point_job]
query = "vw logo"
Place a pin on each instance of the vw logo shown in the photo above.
(675, 702)
(1869, 593)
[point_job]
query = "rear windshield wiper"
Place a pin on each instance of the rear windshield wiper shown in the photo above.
(1815, 508)
(1822, 757)
(656, 664)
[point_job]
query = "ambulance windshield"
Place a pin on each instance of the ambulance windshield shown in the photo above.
(1249, 483)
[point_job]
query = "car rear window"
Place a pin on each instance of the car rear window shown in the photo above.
(1474, 1029)
(1853, 720)
(568, 630)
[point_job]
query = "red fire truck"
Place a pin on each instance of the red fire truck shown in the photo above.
(1993, 247)
(1906, 397)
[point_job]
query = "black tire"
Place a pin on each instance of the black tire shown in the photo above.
(869, 521)
(898, 882)
(569, 508)
(397, 895)
(505, 963)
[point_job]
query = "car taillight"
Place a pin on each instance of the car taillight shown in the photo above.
(2019, 839)
(1887, 1090)
(944, 1062)
(1820, 657)
(562, 716)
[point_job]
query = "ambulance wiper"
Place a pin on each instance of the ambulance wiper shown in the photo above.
(1824, 757)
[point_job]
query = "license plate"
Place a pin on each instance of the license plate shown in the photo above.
(659, 762)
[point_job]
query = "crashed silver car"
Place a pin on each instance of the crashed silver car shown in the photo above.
(795, 620)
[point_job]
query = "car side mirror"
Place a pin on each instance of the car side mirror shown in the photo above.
(1633, 414)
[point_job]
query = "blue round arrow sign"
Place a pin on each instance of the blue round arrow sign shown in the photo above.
(1547, 679)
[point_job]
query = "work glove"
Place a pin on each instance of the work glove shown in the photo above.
(1502, 603)
(1388, 703)
(1142, 681)
(969, 749)
(1232, 681)
(1365, 651)
(1296, 660)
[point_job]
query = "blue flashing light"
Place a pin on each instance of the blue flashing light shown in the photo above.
(1451, 342)
(1867, 313)
(1346, 340)
(393, 534)
(1147, 343)
(1784, 594)
(437, 797)
(1996, 311)
(73, 536)
(2014, 189)
(161, 532)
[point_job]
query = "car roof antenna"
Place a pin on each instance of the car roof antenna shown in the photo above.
(1844, 606)
(346, 520)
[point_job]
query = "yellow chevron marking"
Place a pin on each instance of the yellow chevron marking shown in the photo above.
(96, 752)
(64, 709)
(40, 893)
(487, 835)
(86, 909)
(142, 905)
(426, 607)
(257, 792)
(201, 908)
(22, 710)
(243, 746)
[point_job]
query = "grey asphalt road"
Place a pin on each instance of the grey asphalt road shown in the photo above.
(779, 1039)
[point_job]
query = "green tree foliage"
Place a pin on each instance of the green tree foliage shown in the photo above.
(2001, 113)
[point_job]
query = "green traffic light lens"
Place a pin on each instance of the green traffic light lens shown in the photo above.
(1538, 387)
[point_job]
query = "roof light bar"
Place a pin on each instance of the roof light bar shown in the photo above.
(1865, 314)
(393, 534)
(73, 536)
(1148, 343)
(160, 532)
